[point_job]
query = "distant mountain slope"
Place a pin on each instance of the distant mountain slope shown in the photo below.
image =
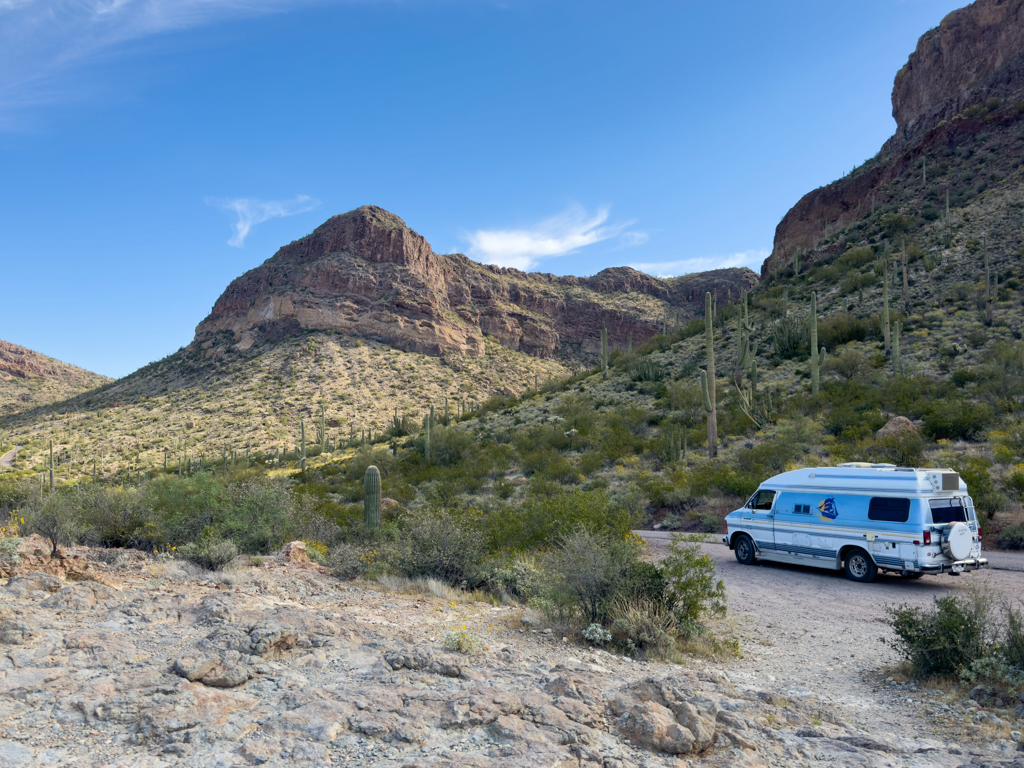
(959, 108)
(364, 318)
(366, 274)
(29, 379)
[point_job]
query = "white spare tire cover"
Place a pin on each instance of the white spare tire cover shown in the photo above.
(957, 541)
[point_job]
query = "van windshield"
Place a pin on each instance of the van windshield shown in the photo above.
(947, 511)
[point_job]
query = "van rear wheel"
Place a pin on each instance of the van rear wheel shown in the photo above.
(859, 566)
(744, 548)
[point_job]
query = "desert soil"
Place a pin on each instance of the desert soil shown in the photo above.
(805, 630)
(122, 659)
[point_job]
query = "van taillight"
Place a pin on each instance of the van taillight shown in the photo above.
(927, 537)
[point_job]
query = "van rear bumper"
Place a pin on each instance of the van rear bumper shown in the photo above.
(972, 564)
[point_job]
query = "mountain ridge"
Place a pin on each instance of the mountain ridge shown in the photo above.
(365, 273)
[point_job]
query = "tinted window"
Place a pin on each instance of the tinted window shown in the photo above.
(947, 511)
(763, 499)
(889, 510)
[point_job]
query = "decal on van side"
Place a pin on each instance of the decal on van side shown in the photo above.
(829, 510)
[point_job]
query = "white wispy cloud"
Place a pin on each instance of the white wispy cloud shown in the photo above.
(42, 41)
(561, 234)
(752, 259)
(251, 212)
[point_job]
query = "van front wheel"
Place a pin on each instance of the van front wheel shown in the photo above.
(859, 566)
(744, 548)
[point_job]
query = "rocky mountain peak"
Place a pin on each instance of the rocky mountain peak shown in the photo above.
(976, 53)
(366, 274)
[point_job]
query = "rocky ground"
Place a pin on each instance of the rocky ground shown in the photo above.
(135, 661)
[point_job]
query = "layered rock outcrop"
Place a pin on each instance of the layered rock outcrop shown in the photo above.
(366, 274)
(958, 99)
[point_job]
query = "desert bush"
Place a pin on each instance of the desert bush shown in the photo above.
(56, 516)
(1004, 372)
(1012, 537)
(448, 445)
(764, 460)
(957, 420)
(440, 545)
(854, 258)
(463, 641)
(841, 328)
(588, 570)
(645, 369)
(520, 578)
(945, 639)
(646, 627)
(259, 515)
(540, 521)
(847, 365)
(974, 470)
(209, 554)
(789, 338)
(692, 588)
(904, 449)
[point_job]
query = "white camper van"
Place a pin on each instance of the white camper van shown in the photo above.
(861, 518)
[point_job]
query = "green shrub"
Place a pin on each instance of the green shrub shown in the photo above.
(539, 522)
(1012, 537)
(974, 470)
(209, 554)
(842, 328)
(957, 420)
(904, 449)
(442, 546)
(588, 570)
(647, 628)
(944, 640)
(789, 338)
(692, 588)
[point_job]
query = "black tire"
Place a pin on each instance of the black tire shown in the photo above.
(743, 546)
(859, 566)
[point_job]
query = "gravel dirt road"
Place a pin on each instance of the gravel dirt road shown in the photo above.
(807, 630)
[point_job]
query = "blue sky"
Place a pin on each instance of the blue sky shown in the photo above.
(153, 150)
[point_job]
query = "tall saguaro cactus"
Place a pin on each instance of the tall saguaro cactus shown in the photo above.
(51, 464)
(707, 379)
(371, 497)
(885, 299)
(896, 330)
(302, 424)
(817, 356)
(906, 283)
(604, 352)
(988, 281)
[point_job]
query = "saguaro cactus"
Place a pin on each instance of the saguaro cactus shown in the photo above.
(896, 330)
(707, 379)
(371, 497)
(426, 438)
(988, 281)
(302, 425)
(885, 299)
(817, 356)
(604, 352)
(51, 464)
(906, 283)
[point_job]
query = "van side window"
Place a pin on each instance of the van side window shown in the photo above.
(947, 511)
(889, 510)
(801, 509)
(764, 499)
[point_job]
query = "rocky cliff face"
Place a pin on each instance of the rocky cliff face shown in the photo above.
(958, 103)
(975, 54)
(366, 274)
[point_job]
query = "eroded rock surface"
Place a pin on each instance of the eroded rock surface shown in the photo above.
(284, 665)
